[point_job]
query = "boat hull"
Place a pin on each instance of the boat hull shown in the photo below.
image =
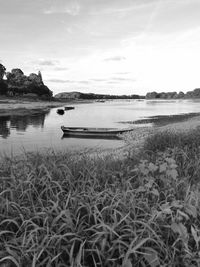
(69, 108)
(93, 132)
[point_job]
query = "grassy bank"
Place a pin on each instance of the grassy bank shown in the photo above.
(62, 209)
(25, 106)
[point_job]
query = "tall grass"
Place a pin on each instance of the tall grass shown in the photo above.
(59, 209)
(173, 138)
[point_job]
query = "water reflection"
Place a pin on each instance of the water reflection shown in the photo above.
(117, 137)
(43, 131)
(20, 123)
(4, 126)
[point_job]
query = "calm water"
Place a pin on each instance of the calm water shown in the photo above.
(43, 131)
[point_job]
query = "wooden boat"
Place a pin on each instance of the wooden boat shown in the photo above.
(69, 108)
(93, 132)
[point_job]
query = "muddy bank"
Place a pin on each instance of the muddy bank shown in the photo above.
(163, 120)
(21, 107)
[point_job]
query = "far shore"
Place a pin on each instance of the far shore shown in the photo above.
(28, 106)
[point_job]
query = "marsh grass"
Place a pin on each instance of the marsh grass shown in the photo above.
(62, 209)
(171, 138)
(165, 119)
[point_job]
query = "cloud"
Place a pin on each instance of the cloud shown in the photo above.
(61, 7)
(120, 79)
(121, 7)
(67, 81)
(112, 82)
(116, 58)
(99, 80)
(122, 73)
(115, 79)
(60, 81)
(44, 62)
(61, 68)
(84, 82)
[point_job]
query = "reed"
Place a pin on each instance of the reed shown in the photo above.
(171, 138)
(63, 209)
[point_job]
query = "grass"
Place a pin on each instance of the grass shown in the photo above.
(62, 209)
(173, 138)
(12, 106)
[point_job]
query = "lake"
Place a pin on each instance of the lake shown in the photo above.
(36, 132)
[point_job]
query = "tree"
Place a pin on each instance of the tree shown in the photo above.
(3, 87)
(2, 71)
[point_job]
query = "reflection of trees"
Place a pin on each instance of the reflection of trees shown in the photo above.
(20, 123)
(4, 129)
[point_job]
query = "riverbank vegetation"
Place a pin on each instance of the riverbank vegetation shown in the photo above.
(92, 96)
(142, 209)
(19, 106)
(18, 84)
(174, 95)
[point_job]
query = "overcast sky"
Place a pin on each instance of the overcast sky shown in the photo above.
(104, 46)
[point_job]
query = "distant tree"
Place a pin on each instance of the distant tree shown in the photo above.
(196, 93)
(189, 94)
(2, 71)
(151, 95)
(181, 94)
(39, 90)
(16, 77)
(135, 96)
(3, 87)
(40, 76)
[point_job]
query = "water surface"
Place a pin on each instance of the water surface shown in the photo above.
(36, 132)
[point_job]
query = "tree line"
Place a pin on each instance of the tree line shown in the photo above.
(105, 96)
(174, 95)
(17, 83)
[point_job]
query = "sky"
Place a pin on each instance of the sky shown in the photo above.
(104, 46)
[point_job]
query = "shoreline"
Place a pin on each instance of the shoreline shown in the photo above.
(28, 106)
(136, 139)
(163, 120)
